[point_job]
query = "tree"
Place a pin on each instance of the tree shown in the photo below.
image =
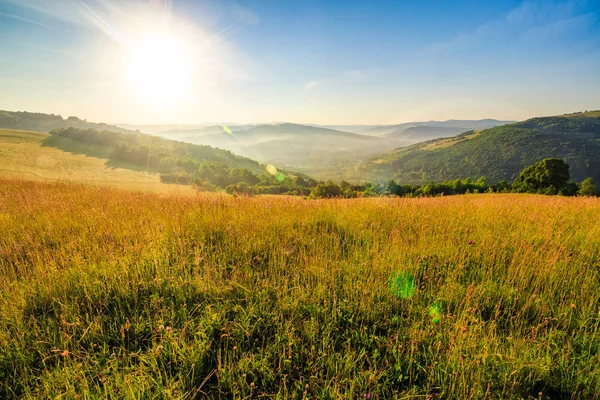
(501, 187)
(587, 188)
(326, 190)
(393, 188)
(547, 176)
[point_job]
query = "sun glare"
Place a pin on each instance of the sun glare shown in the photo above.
(159, 68)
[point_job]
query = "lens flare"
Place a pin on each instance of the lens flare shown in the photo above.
(280, 177)
(227, 130)
(402, 285)
(271, 169)
(435, 313)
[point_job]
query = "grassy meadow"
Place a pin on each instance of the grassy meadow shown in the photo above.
(22, 155)
(122, 294)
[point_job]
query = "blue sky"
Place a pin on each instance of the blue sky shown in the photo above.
(330, 62)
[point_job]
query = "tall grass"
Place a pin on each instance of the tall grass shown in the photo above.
(116, 294)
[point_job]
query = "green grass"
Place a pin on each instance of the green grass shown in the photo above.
(23, 156)
(117, 294)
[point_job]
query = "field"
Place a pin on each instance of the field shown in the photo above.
(23, 156)
(121, 294)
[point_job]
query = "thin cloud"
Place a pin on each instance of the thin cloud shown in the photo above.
(311, 85)
(244, 14)
(55, 9)
(531, 19)
(26, 20)
(560, 27)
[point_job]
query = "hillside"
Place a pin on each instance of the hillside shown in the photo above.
(40, 122)
(497, 153)
(23, 156)
(288, 144)
(421, 133)
(209, 168)
(115, 145)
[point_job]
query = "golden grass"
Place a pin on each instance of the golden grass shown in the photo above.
(22, 156)
(117, 294)
(441, 144)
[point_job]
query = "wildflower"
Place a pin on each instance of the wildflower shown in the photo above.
(367, 395)
(65, 353)
(471, 243)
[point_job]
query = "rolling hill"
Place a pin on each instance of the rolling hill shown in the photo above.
(288, 144)
(39, 122)
(23, 155)
(497, 153)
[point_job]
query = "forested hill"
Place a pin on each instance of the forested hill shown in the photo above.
(179, 162)
(145, 151)
(498, 153)
(40, 122)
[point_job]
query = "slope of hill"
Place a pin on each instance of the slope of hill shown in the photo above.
(497, 153)
(290, 144)
(137, 150)
(23, 156)
(40, 122)
(421, 133)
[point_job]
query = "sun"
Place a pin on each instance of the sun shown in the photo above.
(159, 68)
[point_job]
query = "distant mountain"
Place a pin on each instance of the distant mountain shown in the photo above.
(497, 153)
(428, 129)
(201, 131)
(288, 144)
(344, 128)
(188, 128)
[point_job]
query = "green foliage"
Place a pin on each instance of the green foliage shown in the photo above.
(326, 190)
(548, 176)
(587, 188)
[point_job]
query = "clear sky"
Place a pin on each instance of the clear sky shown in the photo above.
(328, 61)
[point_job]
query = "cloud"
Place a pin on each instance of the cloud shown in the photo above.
(19, 18)
(532, 19)
(55, 9)
(311, 85)
(243, 14)
(559, 27)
